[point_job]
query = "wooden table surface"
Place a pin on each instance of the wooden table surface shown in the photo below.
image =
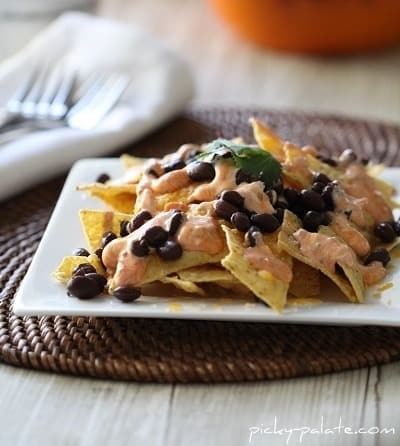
(46, 409)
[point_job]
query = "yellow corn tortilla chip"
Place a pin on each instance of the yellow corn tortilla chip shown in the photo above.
(184, 285)
(96, 223)
(180, 196)
(305, 282)
(351, 284)
(267, 139)
(263, 284)
(214, 274)
(206, 273)
(64, 270)
(121, 198)
(129, 161)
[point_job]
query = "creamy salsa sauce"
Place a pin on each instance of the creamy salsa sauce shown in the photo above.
(360, 185)
(353, 237)
(326, 251)
(196, 233)
(262, 258)
(225, 178)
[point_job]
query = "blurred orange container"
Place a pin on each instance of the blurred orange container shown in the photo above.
(314, 26)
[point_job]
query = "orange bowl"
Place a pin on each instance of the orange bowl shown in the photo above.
(314, 26)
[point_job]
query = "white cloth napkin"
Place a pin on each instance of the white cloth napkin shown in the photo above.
(161, 86)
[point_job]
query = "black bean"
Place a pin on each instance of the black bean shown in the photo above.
(193, 153)
(103, 178)
(224, 210)
(200, 171)
(281, 205)
(151, 171)
(272, 196)
(251, 236)
(83, 287)
(312, 220)
(139, 220)
(298, 209)
(347, 157)
(321, 178)
(291, 195)
(233, 197)
(123, 228)
(174, 165)
(385, 232)
(318, 187)
(396, 227)
(82, 269)
(175, 223)
(279, 214)
(107, 238)
(156, 236)
(101, 280)
(327, 196)
(378, 255)
(99, 253)
(312, 200)
(242, 177)
(278, 186)
(139, 248)
(326, 219)
(171, 250)
(266, 222)
(126, 294)
(364, 161)
(329, 161)
(82, 252)
(240, 221)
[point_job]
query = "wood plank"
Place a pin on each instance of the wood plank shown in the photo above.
(386, 392)
(223, 414)
(46, 409)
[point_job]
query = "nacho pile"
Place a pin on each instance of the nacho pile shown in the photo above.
(263, 221)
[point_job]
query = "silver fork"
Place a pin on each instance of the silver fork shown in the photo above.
(45, 101)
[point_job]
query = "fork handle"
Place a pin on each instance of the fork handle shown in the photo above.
(7, 118)
(14, 133)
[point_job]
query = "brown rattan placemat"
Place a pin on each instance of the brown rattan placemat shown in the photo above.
(187, 351)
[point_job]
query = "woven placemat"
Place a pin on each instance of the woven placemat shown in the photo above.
(188, 351)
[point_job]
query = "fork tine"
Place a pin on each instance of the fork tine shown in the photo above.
(14, 103)
(51, 87)
(102, 101)
(87, 92)
(59, 105)
(29, 103)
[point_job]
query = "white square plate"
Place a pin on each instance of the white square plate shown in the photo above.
(41, 295)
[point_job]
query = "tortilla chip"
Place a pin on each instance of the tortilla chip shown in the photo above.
(96, 223)
(351, 284)
(305, 282)
(121, 198)
(184, 285)
(267, 139)
(293, 173)
(206, 273)
(64, 270)
(263, 284)
(129, 161)
(180, 196)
